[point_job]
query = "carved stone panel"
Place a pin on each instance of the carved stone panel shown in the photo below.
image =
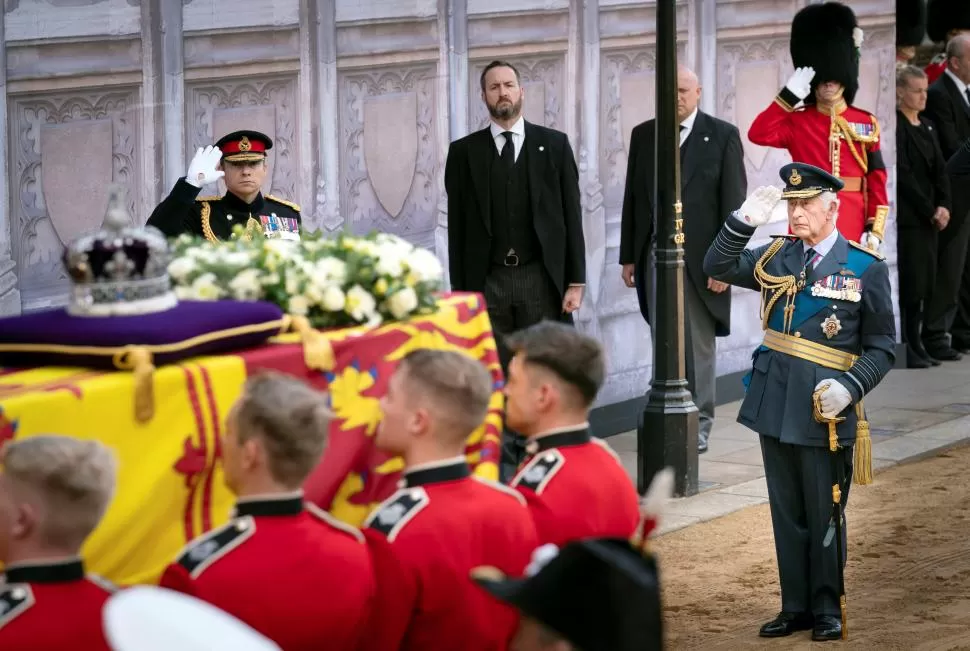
(381, 189)
(542, 81)
(50, 129)
(266, 104)
(627, 96)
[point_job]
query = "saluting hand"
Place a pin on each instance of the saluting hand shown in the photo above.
(800, 83)
(204, 168)
(757, 208)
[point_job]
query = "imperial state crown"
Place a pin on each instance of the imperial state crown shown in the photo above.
(121, 269)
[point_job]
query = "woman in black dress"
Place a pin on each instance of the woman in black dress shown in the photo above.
(922, 208)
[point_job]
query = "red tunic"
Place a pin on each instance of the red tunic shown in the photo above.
(52, 607)
(807, 132)
(576, 487)
(425, 540)
(935, 68)
(291, 571)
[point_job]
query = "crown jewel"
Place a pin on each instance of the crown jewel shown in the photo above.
(119, 270)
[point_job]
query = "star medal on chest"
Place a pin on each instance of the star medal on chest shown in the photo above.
(839, 287)
(831, 326)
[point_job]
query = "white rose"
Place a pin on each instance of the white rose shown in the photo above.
(329, 271)
(245, 286)
(205, 288)
(333, 299)
(314, 294)
(299, 306)
(237, 258)
(857, 37)
(425, 265)
(390, 261)
(180, 268)
(360, 304)
(402, 303)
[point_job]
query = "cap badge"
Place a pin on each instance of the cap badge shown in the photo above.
(244, 144)
(795, 178)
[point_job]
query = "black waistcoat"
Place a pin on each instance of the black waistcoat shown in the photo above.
(512, 224)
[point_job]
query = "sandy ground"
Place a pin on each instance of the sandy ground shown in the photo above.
(907, 579)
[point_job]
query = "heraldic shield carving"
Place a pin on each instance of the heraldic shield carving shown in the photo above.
(391, 147)
(76, 170)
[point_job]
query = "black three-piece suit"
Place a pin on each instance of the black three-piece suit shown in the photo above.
(515, 228)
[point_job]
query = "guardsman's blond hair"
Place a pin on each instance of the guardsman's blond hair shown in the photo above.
(69, 483)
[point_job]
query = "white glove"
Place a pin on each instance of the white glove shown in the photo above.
(871, 241)
(800, 83)
(757, 208)
(202, 169)
(834, 399)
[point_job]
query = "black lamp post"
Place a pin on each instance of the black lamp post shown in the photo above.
(667, 431)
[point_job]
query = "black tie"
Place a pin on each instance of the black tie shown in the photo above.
(809, 256)
(966, 91)
(508, 150)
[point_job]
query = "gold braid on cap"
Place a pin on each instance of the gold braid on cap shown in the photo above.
(776, 285)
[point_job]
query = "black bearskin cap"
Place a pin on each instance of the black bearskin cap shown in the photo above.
(910, 22)
(944, 15)
(821, 37)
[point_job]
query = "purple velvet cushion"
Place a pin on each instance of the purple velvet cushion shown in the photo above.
(190, 329)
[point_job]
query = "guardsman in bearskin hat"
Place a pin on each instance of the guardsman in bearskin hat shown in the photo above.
(827, 131)
(239, 158)
(944, 20)
(910, 28)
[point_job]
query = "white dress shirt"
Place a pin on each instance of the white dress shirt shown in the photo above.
(518, 136)
(962, 87)
(687, 126)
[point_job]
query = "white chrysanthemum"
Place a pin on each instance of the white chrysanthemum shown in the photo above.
(333, 299)
(245, 286)
(402, 302)
(360, 304)
(180, 268)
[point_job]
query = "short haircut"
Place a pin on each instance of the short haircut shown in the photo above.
(957, 46)
(290, 418)
(905, 73)
(500, 64)
(74, 480)
(573, 357)
(458, 386)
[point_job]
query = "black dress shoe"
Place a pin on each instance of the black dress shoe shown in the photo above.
(945, 354)
(701, 447)
(786, 623)
(827, 627)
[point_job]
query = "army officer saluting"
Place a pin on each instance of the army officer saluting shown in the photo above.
(239, 158)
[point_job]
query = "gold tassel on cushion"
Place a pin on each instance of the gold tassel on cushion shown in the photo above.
(317, 351)
(862, 455)
(139, 360)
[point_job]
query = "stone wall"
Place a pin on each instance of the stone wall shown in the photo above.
(362, 98)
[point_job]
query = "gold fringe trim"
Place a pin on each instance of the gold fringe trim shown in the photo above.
(862, 455)
(138, 360)
(317, 350)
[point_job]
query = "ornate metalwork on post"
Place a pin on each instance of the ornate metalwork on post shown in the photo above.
(667, 431)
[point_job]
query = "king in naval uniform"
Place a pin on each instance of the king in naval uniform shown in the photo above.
(829, 337)
(240, 159)
(827, 131)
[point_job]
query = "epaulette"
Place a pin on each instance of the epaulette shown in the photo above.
(212, 198)
(502, 488)
(325, 517)
(205, 550)
(15, 598)
(606, 448)
(537, 474)
(875, 254)
(396, 511)
(102, 582)
(286, 203)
